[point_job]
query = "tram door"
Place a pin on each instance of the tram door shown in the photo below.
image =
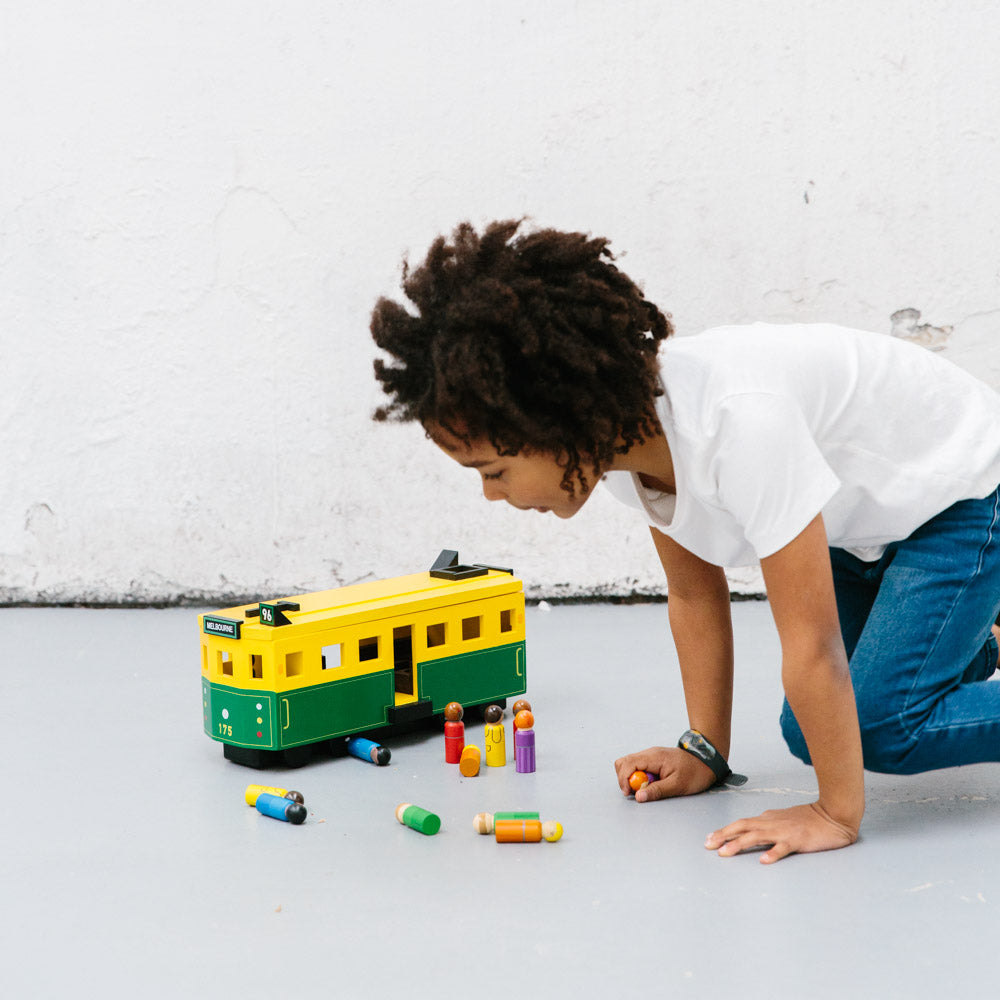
(402, 658)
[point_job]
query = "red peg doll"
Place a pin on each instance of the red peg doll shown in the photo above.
(454, 732)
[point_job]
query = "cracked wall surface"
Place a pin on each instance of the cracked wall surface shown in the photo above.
(199, 206)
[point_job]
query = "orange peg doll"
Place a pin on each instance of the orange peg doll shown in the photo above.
(524, 742)
(496, 747)
(519, 706)
(469, 764)
(454, 732)
(525, 831)
(517, 828)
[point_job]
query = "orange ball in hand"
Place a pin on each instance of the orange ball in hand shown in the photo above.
(638, 779)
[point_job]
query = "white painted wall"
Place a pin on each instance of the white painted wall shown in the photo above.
(200, 202)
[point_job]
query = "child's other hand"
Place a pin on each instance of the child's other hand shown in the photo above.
(679, 773)
(799, 830)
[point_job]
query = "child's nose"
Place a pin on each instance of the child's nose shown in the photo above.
(492, 490)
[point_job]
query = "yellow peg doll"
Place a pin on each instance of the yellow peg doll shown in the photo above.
(496, 749)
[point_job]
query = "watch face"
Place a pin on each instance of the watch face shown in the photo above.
(700, 746)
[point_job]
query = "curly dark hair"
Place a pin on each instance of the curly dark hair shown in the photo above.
(532, 341)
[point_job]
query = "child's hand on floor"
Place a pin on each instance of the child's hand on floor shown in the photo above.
(798, 830)
(679, 773)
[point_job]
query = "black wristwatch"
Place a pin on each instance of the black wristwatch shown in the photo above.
(696, 745)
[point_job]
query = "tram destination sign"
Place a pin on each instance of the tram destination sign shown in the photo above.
(228, 628)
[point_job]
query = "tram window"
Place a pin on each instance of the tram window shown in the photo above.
(293, 664)
(256, 666)
(368, 649)
(331, 656)
(435, 635)
(507, 621)
(225, 663)
(471, 627)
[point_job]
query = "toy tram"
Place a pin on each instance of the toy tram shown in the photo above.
(280, 678)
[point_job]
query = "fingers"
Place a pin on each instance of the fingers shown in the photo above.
(651, 760)
(728, 843)
(776, 853)
(670, 772)
(664, 788)
(670, 786)
(797, 830)
(622, 773)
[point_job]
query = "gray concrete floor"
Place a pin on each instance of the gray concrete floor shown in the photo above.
(133, 867)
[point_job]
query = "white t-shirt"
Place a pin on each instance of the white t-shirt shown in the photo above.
(770, 425)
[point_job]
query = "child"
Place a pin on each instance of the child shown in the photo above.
(861, 471)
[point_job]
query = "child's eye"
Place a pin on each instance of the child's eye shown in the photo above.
(492, 475)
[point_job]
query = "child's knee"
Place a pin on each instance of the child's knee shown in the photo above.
(887, 749)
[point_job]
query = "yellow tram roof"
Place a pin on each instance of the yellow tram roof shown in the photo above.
(372, 601)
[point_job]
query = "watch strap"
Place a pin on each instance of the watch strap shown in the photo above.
(698, 745)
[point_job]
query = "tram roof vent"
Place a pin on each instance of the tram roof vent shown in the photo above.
(447, 567)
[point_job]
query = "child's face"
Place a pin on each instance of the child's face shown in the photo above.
(527, 481)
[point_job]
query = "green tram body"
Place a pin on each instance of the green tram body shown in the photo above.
(401, 649)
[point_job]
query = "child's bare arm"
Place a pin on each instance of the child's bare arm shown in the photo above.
(818, 687)
(698, 605)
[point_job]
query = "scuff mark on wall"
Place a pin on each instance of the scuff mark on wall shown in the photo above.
(39, 520)
(788, 304)
(907, 326)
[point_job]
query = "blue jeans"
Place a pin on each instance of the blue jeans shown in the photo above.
(916, 625)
